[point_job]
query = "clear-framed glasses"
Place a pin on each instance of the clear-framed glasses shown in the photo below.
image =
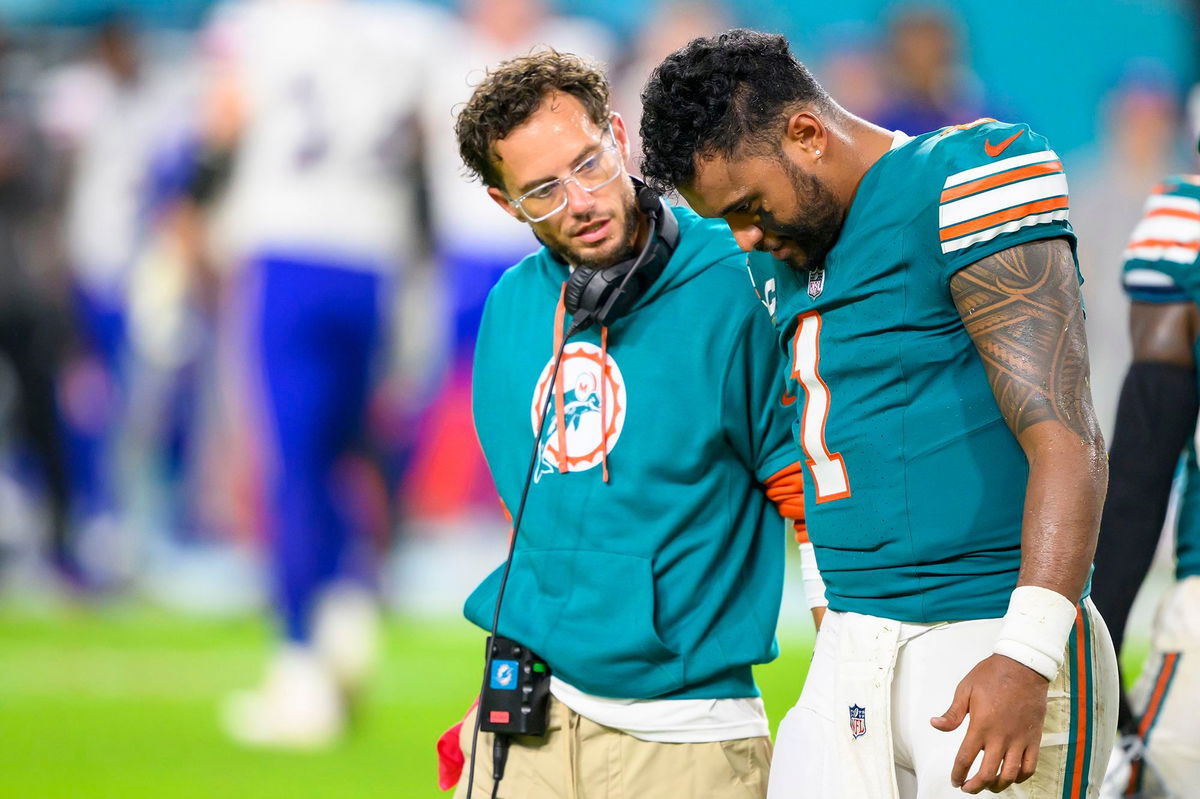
(596, 171)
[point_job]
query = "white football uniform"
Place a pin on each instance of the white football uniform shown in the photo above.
(1165, 695)
(329, 92)
(874, 685)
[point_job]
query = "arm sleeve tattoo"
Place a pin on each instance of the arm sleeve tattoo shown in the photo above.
(1022, 309)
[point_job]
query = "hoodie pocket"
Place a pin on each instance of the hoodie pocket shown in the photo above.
(591, 616)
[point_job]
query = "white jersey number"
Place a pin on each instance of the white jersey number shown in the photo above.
(828, 469)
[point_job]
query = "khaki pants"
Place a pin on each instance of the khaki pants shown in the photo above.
(579, 759)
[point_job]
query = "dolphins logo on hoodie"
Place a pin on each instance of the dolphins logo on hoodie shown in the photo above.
(591, 411)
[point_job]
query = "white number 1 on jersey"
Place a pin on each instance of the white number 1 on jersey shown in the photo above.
(828, 469)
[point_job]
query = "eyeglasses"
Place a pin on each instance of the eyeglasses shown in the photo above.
(594, 172)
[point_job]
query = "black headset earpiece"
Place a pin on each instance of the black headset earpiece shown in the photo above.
(601, 296)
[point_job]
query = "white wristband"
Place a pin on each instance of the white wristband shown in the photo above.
(1036, 628)
(810, 576)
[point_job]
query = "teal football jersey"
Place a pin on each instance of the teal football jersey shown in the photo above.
(1162, 264)
(915, 485)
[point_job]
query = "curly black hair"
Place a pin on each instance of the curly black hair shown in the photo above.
(509, 94)
(718, 94)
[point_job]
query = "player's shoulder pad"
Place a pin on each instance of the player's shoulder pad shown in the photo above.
(1178, 186)
(992, 177)
(1165, 244)
(984, 143)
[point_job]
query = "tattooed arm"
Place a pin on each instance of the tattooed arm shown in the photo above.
(1022, 309)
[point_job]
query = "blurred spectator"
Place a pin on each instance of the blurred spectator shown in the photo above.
(852, 71)
(1140, 130)
(929, 84)
(30, 317)
(308, 129)
(672, 24)
(474, 241)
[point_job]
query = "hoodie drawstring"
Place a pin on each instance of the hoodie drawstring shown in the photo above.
(560, 315)
(603, 402)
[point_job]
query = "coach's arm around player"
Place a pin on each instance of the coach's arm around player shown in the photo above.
(1023, 310)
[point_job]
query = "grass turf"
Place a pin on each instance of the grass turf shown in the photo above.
(123, 703)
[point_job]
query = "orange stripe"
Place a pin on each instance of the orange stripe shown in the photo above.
(1152, 708)
(1082, 702)
(1187, 245)
(1000, 217)
(1160, 688)
(1135, 771)
(1011, 176)
(1174, 212)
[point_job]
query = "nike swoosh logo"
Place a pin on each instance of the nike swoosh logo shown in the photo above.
(995, 150)
(787, 399)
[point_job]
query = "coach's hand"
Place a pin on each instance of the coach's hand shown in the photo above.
(1006, 701)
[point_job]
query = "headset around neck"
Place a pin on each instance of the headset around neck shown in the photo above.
(601, 296)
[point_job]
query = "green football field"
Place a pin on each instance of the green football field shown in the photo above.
(123, 703)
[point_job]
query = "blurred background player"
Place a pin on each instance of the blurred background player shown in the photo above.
(1156, 422)
(110, 119)
(31, 323)
(310, 124)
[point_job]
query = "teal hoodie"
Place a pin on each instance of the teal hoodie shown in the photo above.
(649, 563)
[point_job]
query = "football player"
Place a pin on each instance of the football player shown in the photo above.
(305, 134)
(927, 294)
(1156, 422)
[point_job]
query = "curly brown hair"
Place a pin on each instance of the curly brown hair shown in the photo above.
(509, 94)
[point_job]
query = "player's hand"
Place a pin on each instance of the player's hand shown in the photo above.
(818, 615)
(1006, 701)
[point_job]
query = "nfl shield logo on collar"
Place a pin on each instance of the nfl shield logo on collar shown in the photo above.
(858, 721)
(816, 282)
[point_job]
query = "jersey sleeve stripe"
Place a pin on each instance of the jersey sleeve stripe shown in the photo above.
(1164, 251)
(1001, 217)
(1003, 165)
(1175, 212)
(1001, 179)
(999, 199)
(1169, 231)
(1148, 279)
(1166, 228)
(1169, 202)
(1194, 246)
(1008, 224)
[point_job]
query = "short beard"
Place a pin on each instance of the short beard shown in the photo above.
(818, 229)
(625, 252)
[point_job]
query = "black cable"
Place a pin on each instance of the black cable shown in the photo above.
(575, 327)
(499, 758)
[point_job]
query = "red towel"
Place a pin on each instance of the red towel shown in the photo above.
(450, 754)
